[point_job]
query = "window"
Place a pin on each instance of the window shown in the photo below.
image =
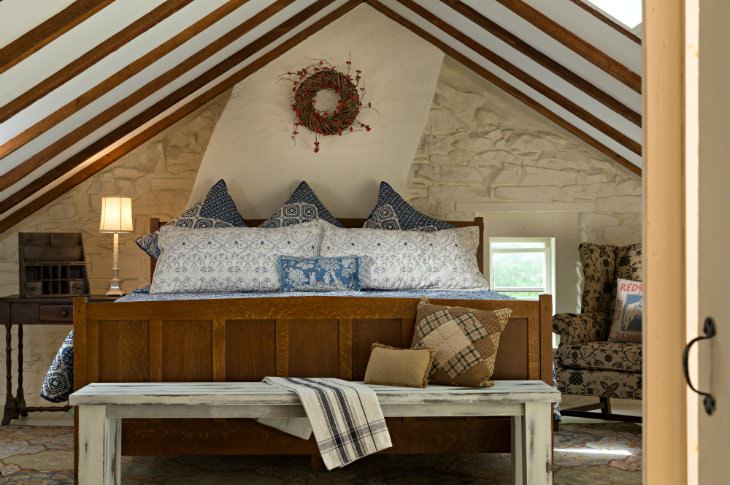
(627, 12)
(521, 267)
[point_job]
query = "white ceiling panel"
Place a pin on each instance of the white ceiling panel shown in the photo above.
(20, 16)
(70, 45)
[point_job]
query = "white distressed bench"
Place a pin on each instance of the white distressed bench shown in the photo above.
(102, 407)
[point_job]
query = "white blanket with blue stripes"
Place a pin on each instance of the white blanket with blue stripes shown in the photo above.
(344, 416)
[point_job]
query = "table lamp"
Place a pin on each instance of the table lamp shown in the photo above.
(116, 217)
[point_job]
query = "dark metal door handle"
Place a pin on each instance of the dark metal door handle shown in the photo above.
(710, 330)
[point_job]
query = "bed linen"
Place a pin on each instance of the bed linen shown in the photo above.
(58, 383)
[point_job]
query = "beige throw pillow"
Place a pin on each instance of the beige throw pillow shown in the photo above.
(464, 340)
(391, 366)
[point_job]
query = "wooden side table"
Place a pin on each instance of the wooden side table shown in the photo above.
(15, 310)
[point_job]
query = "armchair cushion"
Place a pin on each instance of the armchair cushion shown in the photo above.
(599, 277)
(601, 356)
(582, 328)
(600, 383)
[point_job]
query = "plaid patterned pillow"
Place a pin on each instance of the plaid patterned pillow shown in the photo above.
(465, 341)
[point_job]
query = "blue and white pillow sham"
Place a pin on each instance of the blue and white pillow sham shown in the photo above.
(303, 206)
(400, 260)
(216, 210)
(339, 273)
(229, 258)
(392, 212)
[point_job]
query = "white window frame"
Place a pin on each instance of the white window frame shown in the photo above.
(548, 251)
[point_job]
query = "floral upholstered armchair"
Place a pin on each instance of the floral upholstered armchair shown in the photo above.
(586, 363)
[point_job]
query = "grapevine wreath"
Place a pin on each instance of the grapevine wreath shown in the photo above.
(308, 82)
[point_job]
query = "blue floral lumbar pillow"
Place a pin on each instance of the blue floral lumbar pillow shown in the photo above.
(216, 210)
(393, 212)
(302, 206)
(339, 273)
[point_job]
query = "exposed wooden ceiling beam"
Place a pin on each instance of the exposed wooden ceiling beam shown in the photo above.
(608, 20)
(506, 87)
(42, 157)
(545, 61)
(575, 43)
(54, 27)
(114, 80)
(523, 76)
(89, 58)
(136, 140)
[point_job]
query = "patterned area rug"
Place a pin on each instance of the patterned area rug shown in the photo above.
(584, 453)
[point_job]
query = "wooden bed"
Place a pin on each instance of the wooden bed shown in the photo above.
(247, 339)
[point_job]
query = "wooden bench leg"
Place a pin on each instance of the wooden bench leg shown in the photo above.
(536, 444)
(518, 451)
(100, 440)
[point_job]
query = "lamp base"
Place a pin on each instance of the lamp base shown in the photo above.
(114, 288)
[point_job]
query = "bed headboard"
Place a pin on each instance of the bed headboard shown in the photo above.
(155, 224)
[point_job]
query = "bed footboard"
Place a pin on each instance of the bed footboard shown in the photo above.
(248, 339)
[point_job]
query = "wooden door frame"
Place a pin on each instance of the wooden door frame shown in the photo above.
(665, 331)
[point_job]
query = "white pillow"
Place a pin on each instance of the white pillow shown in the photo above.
(402, 260)
(229, 259)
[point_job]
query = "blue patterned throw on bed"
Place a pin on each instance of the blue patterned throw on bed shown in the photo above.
(319, 273)
(302, 206)
(393, 212)
(59, 380)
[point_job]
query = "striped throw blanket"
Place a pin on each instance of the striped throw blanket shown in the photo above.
(345, 417)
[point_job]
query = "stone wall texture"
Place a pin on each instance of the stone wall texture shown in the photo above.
(158, 175)
(484, 152)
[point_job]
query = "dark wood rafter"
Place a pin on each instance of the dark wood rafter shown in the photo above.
(519, 95)
(42, 157)
(47, 31)
(114, 80)
(150, 131)
(575, 43)
(545, 61)
(518, 73)
(607, 20)
(88, 59)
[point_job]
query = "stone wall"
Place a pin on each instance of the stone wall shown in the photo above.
(484, 152)
(158, 175)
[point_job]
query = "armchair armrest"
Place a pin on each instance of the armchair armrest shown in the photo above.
(580, 328)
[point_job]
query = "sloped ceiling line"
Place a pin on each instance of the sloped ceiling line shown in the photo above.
(505, 86)
(197, 101)
(88, 59)
(575, 43)
(564, 104)
(47, 31)
(37, 160)
(531, 81)
(544, 60)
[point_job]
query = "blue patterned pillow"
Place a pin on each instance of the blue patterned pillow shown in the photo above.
(339, 273)
(393, 212)
(59, 381)
(217, 210)
(218, 204)
(302, 206)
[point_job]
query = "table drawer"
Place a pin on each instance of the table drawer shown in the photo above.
(56, 313)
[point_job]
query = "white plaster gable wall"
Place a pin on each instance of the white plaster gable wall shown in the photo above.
(251, 146)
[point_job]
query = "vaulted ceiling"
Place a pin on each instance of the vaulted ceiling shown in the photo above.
(82, 83)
